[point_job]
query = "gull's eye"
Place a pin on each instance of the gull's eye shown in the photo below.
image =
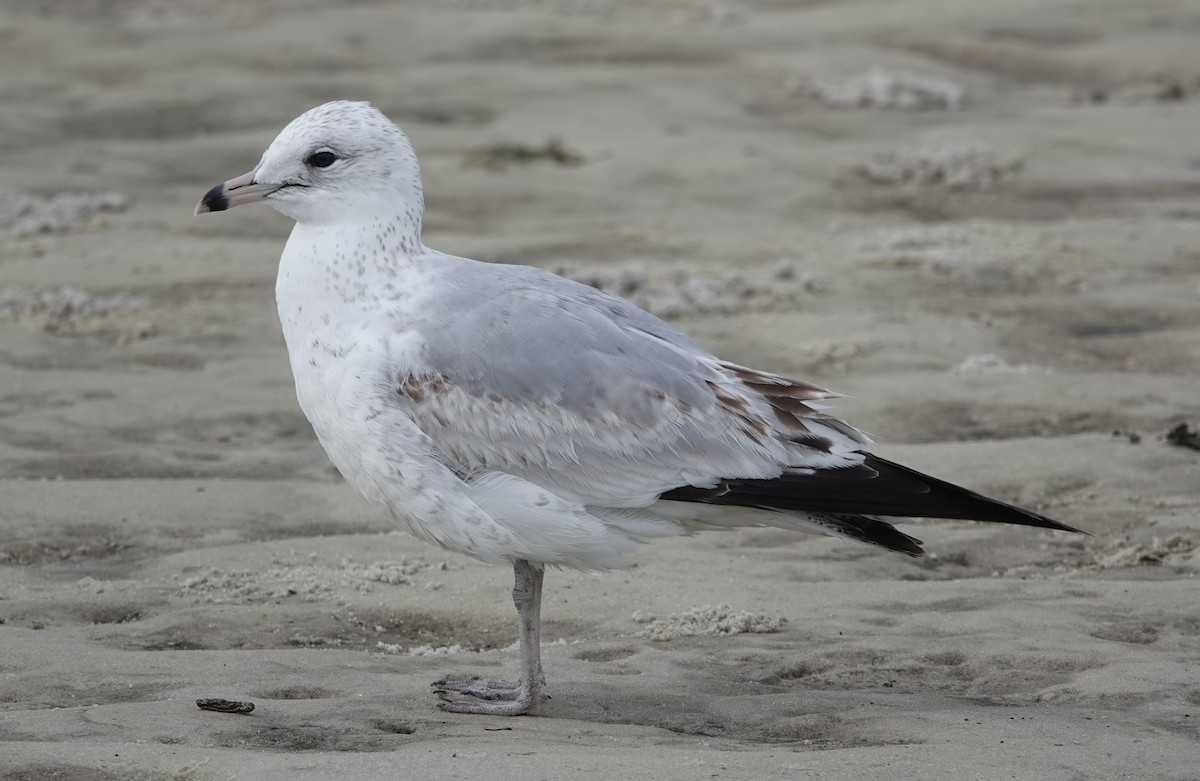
(322, 159)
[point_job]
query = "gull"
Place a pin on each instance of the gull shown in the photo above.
(527, 420)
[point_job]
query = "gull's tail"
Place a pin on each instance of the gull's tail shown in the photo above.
(846, 501)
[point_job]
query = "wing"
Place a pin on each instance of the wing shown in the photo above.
(583, 393)
(874, 487)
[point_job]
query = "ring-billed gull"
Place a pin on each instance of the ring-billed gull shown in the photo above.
(524, 419)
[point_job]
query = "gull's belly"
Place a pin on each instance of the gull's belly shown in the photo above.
(345, 386)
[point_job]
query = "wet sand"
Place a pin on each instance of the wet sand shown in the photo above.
(980, 221)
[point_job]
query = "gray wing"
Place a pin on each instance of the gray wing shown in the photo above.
(582, 392)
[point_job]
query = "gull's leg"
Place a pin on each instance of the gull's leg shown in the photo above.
(508, 698)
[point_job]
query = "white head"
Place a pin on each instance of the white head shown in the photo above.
(341, 162)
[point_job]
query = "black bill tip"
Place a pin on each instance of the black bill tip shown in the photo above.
(214, 200)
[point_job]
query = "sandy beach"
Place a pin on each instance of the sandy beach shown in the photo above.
(980, 221)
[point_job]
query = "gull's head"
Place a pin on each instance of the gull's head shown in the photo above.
(343, 161)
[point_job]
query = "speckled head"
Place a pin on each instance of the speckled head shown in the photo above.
(340, 162)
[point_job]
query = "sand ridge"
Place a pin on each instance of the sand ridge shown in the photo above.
(979, 221)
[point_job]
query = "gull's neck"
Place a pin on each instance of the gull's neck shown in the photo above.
(345, 266)
(393, 234)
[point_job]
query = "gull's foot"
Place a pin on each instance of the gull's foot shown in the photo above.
(480, 688)
(491, 698)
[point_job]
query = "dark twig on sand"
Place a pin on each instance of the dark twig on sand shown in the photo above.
(225, 706)
(499, 157)
(1183, 436)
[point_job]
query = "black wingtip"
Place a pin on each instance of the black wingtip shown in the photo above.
(877, 488)
(879, 532)
(953, 501)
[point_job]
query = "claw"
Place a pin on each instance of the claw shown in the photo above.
(495, 698)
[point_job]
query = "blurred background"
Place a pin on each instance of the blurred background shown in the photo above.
(979, 220)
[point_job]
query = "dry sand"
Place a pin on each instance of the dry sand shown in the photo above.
(980, 219)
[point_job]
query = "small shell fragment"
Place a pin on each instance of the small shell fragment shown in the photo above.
(225, 706)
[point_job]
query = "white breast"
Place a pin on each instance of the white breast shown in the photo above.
(347, 341)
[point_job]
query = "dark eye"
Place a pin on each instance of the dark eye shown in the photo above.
(322, 159)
